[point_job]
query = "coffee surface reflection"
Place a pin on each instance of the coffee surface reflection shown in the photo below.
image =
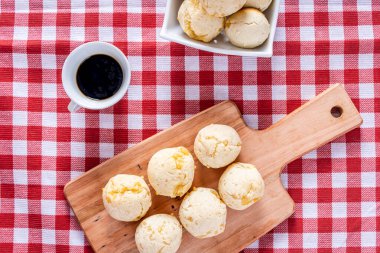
(99, 76)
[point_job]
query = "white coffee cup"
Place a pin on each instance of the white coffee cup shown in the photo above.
(70, 68)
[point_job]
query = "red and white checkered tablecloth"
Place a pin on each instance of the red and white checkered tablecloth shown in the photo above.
(43, 146)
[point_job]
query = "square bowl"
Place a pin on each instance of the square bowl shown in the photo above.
(172, 31)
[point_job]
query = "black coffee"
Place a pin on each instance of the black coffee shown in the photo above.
(99, 76)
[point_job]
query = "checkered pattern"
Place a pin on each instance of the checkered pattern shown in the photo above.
(43, 146)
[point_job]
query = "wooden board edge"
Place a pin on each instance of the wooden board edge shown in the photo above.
(68, 184)
(293, 210)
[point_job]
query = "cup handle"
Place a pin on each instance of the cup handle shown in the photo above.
(73, 107)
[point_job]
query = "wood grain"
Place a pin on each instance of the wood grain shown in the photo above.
(305, 129)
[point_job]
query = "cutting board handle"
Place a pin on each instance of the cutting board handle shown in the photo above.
(322, 119)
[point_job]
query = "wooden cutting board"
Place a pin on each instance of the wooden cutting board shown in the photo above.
(317, 122)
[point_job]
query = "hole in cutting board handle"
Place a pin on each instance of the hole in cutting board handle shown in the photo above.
(336, 111)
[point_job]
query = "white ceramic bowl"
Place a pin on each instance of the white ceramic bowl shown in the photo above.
(172, 31)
